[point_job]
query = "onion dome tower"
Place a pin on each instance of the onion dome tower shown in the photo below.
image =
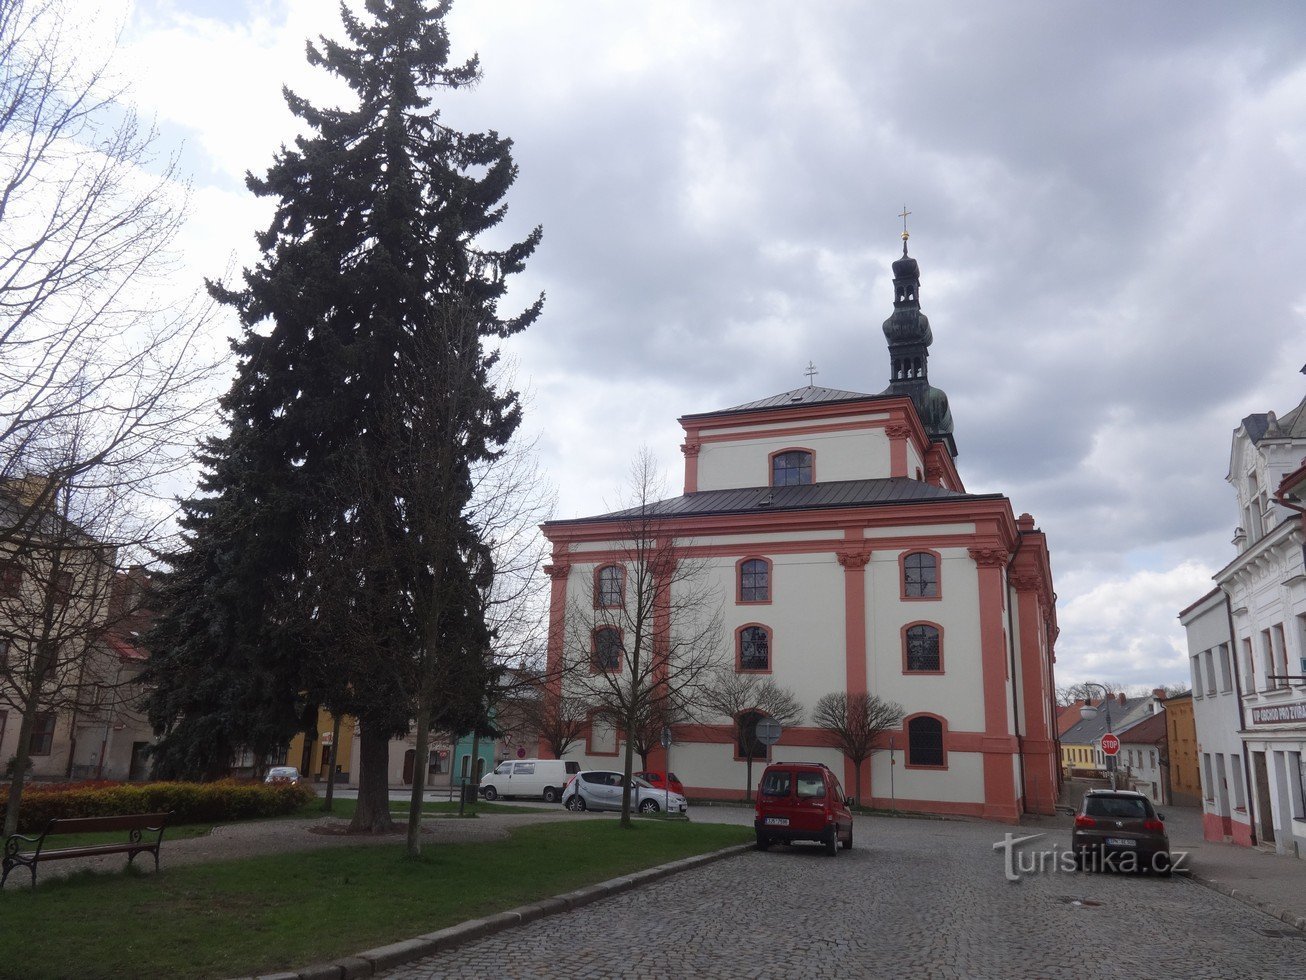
(908, 332)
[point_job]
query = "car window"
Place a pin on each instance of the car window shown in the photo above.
(642, 782)
(673, 777)
(615, 778)
(1120, 807)
(811, 785)
(523, 769)
(776, 783)
(503, 769)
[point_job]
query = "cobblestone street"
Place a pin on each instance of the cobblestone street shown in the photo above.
(914, 898)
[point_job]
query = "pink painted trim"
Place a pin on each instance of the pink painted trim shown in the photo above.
(902, 636)
(902, 575)
(739, 649)
(739, 582)
(906, 740)
(770, 462)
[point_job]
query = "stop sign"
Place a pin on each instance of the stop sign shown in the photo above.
(1110, 744)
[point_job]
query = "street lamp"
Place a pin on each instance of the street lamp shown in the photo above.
(1088, 713)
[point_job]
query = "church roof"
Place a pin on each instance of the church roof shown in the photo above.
(812, 496)
(807, 395)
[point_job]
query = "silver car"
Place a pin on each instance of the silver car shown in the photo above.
(600, 789)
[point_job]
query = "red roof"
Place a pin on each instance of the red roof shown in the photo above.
(1149, 731)
(126, 649)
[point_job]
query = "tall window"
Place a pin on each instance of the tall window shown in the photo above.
(925, 741)
(610, 581)
(11, 578)
(793, 468)
(920, 575)
(607, 648)
(923, 653)
(754, 648)
(42, 741)
(755, 581)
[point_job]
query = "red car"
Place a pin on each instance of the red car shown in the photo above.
(802, 801)
(659, 780)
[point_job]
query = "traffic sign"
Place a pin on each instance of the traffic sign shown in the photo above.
(768, 731)
(328, 738)
(1110, 744)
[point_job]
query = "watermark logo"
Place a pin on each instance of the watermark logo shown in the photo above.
(1056, 859)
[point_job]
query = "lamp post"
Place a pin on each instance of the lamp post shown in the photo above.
(1088, 713)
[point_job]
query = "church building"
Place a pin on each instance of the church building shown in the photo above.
(849, 557)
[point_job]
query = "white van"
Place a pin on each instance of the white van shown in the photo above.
(544, 778)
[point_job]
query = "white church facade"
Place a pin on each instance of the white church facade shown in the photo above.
(849, 557)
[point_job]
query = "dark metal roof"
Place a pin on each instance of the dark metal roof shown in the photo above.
(814, 496)
(808, 395)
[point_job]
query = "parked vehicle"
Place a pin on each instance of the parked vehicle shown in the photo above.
(601, 789)
(543, 778)
(1120, 829)
(662, 780)
(802, 801)
(284, 774)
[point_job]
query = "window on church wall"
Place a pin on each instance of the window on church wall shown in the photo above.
(925, 742)
(747, 744)
(607, 649)
(42, 738)
(920, 575)
(608, 586)
(11, 578)
(923, 649)
(791, 468)
(754, 649)
(755, 580)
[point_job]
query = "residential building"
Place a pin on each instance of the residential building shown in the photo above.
(1143, 756)
(1081, 743)
(850, 558)
(1181, 734)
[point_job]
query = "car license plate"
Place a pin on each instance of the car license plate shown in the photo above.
(777, 821)
(1121, 842)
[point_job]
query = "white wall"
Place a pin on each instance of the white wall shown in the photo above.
(846, 455)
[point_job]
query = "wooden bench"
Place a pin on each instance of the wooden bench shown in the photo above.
(20, 853)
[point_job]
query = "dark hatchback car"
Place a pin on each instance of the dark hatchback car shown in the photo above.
(802, 801)
(1119, 829)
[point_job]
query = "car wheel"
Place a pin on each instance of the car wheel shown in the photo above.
(576, 804)
(649, 806)
(763, 842)
(832, 841)
(550, 795)
(491, 794)
(848, 841)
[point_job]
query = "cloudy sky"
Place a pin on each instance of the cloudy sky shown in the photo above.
(1107, 207)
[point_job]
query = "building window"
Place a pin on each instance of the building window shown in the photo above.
(1226, 673)
(920, 575)
(754, 648)
(922, 649)
(747, 744)
(63, 587)
(1249, 665)
(1209, 791)
(42, 740)
(754, 580)
(608, 584)
(607, 649)
(925, 742)
(791, 468)
(1235, 766)
(1210, 671)
(11, 578)
(1196, 661)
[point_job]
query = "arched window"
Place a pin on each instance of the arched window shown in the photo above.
(920, 575)
(925, 741)
(607, 648)
(791, 468)
(922, 652)
(608, 584)
(747, 745)
(754, 648)
(754, 580)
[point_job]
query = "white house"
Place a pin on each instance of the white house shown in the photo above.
(850, 557)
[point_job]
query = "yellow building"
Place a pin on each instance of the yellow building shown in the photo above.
(1185, 784)
(319, 763)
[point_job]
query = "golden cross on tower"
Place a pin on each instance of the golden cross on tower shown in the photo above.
(903, 216)
(811, 372)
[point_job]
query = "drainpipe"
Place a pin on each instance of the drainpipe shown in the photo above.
(1249, 796)
(1011, 656)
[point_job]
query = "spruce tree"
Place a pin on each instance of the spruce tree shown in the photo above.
(338, 505)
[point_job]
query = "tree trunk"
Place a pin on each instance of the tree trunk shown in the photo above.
(748, 779)
(420, 762)
(331, 769)
(373, 812)
(19, 779)
(857, 781)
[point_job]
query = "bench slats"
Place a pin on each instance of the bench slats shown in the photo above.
(91, 825)
(16, 857)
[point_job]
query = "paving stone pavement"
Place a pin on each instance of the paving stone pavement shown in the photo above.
(914, 898)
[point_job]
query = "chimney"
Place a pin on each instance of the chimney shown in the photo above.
(1158, 693)
(1121, 697)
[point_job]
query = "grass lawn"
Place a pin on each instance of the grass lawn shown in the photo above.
(273, 913)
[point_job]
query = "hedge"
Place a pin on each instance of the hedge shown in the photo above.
(216, 802)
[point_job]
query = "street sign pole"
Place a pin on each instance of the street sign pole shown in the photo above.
(666, 766)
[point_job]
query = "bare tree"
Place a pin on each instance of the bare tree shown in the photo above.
(559, 721)
(747, 699)
(653, 643)
(853, 722)
(1068, 694)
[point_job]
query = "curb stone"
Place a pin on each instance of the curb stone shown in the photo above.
(1282, 914)
(373, 961)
